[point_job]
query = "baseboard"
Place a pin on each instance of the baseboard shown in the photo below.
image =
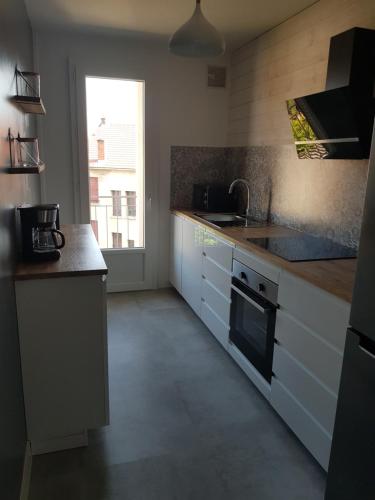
(59, 443)
(126, 287)
(134, 287)
(165, 284)
(26, 474)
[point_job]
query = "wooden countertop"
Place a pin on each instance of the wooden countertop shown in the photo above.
(81, 256)
(334, 276)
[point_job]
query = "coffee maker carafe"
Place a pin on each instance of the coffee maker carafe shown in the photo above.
(40, 232)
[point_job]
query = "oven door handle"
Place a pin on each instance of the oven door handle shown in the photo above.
(251, 301)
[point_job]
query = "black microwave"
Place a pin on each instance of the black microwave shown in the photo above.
(213, 198)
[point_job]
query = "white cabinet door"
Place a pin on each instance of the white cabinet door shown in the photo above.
(175, 259)
(63, 342)
(191, 280)
(219, 251)
(322, 312)
(216, 326)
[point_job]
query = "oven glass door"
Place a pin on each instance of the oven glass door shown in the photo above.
(252, 327)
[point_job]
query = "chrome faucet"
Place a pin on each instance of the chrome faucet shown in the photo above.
(243, 181)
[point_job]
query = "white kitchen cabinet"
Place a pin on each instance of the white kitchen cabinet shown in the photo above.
(200, 269)
(191, 275)
(310, 334)
(62, 322)
(216, 286)
(216, 300)
(310, 349)
(217, 276)
(318, 399)
(215, 324)
(316, 439)
(218, 250)
(175, 258)
(324, 313)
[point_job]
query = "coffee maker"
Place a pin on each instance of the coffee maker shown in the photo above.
(41, 238)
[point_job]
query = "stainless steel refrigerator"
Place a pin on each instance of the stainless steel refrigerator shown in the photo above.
(351, 474)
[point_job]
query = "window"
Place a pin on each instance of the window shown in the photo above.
(94, 225)
(130, 243)
(115, 146)
(131, 203)
(100, 143)
(116, 203)
(94, 190)
(116, 240)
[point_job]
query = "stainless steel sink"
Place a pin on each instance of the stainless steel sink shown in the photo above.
(228, 220)
(221, 217)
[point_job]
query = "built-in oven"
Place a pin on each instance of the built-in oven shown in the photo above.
(253, 317)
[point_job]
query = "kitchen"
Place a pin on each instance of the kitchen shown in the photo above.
(186, 443)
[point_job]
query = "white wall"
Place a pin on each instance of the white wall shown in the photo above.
(184, 111)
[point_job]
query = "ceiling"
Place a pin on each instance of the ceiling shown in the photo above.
(238, 20)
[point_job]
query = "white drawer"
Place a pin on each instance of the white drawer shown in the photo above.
(316, 398)
(215, 325)
(220, 278)
(324, 361)
(218, 250)
(259, 265)
(302, 423)
(324, 313)
(218, 303)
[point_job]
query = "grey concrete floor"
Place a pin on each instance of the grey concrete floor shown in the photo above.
(186, 423)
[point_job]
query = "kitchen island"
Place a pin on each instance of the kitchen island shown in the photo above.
(61, 309)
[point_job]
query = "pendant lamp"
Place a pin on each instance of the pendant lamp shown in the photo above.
(197, 37)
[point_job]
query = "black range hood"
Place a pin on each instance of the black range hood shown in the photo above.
(337, 123)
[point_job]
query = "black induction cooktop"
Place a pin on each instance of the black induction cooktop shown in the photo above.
(304, 248)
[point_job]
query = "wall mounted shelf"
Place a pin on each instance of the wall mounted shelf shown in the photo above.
(25, 170)
(28, 92)
(24, 155)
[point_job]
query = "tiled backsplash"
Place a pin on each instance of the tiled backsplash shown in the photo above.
(323, 198)
(196, 165)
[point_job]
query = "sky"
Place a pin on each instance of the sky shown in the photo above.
(114, 99)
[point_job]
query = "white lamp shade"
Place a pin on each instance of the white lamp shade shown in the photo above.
(197, 38)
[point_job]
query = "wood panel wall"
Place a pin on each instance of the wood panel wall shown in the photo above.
(288, 61)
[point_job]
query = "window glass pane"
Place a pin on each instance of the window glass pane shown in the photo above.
(116, 240)
(131, 203)
(115, 125)
(94, 190)
(116, 203)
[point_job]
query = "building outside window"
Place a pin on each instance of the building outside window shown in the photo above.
(116, 203)
(116, 240)
(130, 243)
(131, 203)
(100, 143)
(94, 190)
